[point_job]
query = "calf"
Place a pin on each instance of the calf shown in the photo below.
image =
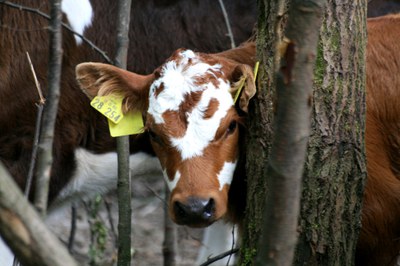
(84, 155)
(197, 131)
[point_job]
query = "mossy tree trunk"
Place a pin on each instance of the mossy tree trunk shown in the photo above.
(335, 171)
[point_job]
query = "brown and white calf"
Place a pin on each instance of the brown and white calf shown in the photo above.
(197, 132)
(85, 162)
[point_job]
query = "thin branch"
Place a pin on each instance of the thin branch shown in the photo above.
(66, 26)
(42, 101)
(170, 243)
(45, 151)
(71, 238)
(227, 22)
(124, 174)
(220, 256)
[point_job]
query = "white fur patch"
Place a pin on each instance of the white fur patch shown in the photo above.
(178, 79)
(217, 239)
(225, 176)
(6, 256)
(79, 14)
(172, 184)
(98, 174)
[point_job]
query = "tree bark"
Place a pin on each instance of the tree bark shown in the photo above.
(335, 170)
(24, 231)
(292, 129)
(335, 167)
(260, 130)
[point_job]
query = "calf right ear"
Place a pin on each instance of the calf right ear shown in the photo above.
(102, 79)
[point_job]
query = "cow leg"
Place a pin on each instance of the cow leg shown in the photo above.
(218, 238)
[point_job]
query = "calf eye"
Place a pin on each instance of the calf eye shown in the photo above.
(231, 128)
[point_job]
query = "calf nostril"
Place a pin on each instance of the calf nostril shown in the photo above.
(180, 209)
(209, 209)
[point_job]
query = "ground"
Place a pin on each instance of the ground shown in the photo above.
(147, 228)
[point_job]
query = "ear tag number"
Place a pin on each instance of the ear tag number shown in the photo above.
(109, 106)
(120, 125)
(130, 124)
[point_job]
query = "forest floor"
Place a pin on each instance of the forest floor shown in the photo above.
(147, 229)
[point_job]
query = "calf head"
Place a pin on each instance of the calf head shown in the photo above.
(192, 121)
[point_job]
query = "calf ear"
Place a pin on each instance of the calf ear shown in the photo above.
(244, 58)
(102, 79)
(244, 86)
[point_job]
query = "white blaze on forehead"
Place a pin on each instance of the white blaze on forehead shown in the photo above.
(178, 79)
(200, 131)
(79, 14)
(171, 184)
(225, 176)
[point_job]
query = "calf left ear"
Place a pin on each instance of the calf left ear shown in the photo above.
(244, 88)
(102, 79)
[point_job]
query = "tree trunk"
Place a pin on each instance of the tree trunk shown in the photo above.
(260, 129)
(335, 167)
(335, 170)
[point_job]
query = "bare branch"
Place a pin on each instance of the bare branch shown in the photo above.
(227, 22)
(124, 176)
(45, 152)
(220, 256)
(42, 101)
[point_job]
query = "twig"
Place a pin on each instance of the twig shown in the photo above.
(170, 244)
(66, 26)
(157, 195)
(42, 101)
(233, 245)
(228, 24)
(71, 238)
(107, 204)
(220, 256)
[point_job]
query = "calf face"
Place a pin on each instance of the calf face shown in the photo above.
(192, 121)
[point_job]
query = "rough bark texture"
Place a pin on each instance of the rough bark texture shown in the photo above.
(292, 129)
(259, 130)
(335, 167)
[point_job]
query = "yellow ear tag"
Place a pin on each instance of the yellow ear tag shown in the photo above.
(243, 79)
(130, 124)
(109, 106)
(120, 125)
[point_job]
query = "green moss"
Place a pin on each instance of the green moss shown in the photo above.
(320, 65)
(248, 256)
